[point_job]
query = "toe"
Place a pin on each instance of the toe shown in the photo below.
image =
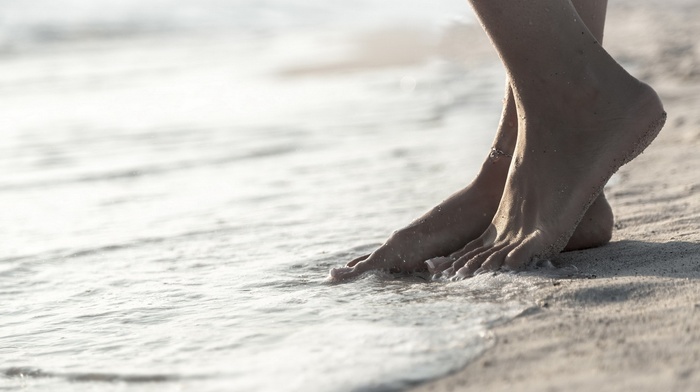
(448, 273)
(521, 254)
(477, 261)
(467, 249)
(485, 240)
(439, 264)
(353, 262)
(342, 273)
(496, 259)
(462, 261)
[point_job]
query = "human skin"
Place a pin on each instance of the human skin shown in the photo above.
(580, 117)
(466, 214)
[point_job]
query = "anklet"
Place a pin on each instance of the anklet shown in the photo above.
(496, 153)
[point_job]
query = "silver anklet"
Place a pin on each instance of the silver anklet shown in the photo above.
(496, 153)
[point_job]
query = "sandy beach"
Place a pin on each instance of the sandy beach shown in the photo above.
(629, 318)
(180, 177)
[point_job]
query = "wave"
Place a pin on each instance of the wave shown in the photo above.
(142, 171)
(77, 253)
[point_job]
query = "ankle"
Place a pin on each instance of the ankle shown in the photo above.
(492, 176)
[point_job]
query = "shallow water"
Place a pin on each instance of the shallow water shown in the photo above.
(173, 206)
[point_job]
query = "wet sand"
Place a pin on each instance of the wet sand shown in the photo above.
(629, 318)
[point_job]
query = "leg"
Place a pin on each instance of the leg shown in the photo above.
(466, 214)
(581, 116)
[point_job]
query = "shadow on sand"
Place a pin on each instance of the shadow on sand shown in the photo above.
(676, 259)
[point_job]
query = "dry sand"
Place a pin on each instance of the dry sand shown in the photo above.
(630, 318)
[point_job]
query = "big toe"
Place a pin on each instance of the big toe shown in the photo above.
(438, 264)
(522, 254)
(354, 262)
(342, 273)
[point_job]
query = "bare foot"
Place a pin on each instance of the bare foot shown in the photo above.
(567, 151)
(441, 231)
(460, 219)
(468, 213)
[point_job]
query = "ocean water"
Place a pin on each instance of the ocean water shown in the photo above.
(173, 200)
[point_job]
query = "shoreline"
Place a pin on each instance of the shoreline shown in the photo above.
(630, 319)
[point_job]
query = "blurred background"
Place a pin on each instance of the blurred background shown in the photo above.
(101, 100)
